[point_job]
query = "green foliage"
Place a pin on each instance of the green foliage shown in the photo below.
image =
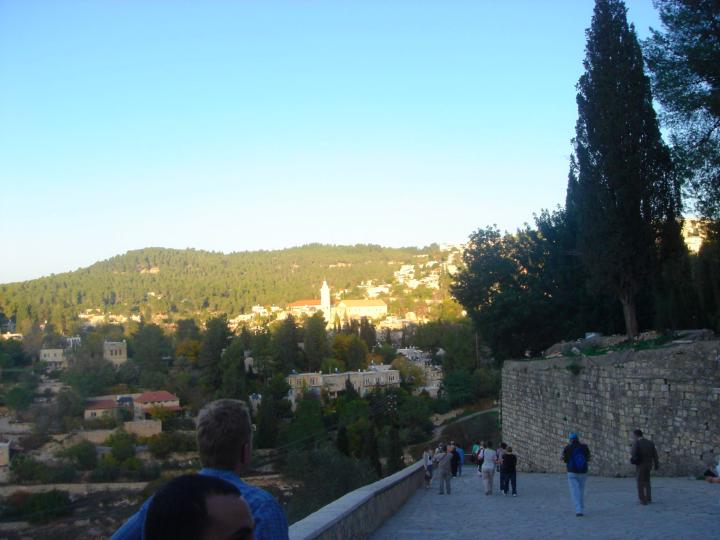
(26, 469)
(317, 348)
(122, 445)
(149, 347)
(83, 455)
(684, 61)
(37, 507)
(214, 341)
(90, 376)
(232, 368)
(395, 451)
(351, 351)
(197, 282)
(307, 427)
(18, 398)
(462, 387)
(163, 444)
(339, 473)
(286, 353)
(623, 191)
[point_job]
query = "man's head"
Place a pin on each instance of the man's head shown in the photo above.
(509, 449)
(574, 437)
(503, 445)
(197, 507)
(224, 435)
(638, 433)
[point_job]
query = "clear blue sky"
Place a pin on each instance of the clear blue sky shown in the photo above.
(236, 125)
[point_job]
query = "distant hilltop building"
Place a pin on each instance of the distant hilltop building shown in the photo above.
(344, 309)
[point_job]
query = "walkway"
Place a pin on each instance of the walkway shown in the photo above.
(682, 508)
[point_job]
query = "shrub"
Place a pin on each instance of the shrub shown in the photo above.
(83, 454)
(38, 507)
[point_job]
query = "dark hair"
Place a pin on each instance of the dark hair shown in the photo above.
(179, 509)
(638, 432)
(223, 427)
(509, 449)
(503, 445)
(488, 444)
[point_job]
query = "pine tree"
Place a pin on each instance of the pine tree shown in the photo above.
(625, 187)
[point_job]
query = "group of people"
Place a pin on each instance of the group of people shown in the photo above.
(576, 456)
(447, 460)
(216, 503)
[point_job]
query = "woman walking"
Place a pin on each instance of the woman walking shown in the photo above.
(489, 457)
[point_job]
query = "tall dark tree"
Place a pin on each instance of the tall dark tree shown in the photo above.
(232, 369)
(317, 347)
(286, 353)
(684, 61)
(214, 341)
(625, 185)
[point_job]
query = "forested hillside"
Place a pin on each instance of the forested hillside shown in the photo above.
(182, 282)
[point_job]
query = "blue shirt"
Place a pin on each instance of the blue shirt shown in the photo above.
(270, 520)
(462, 454)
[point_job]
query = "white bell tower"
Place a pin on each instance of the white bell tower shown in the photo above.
(325, 300)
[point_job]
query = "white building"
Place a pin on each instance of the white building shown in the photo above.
(333, 383)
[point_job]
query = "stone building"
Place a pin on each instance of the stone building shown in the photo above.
(54, 358)
(332, 383)
(115, 352)
(344, 310)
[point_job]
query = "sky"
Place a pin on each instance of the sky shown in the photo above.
(243, 125)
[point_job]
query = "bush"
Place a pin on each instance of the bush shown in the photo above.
(122, 445)
(163, 444)
(83, 454)
(38, 507)
(26, 469)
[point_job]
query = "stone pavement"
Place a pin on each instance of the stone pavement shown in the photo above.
(681, 508)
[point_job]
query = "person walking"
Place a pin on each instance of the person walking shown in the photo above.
(489, 457)
(474, 451)
(428, 465)
(576, 456)
(508, 472)
(643, 456)
(442, 465)
(455, 459)
(461, 461)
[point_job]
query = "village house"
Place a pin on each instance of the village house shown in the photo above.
(115, 352)
(332, 383)
(342, 310)
(54, 358)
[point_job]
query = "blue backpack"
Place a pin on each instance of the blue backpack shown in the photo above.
(578, 461)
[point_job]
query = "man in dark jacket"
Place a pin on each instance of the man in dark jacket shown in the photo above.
(508, 474)
(577, 455)
(644, 456)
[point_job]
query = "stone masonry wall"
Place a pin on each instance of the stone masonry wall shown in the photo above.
(672, 394)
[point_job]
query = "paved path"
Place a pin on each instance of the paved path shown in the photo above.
(681, 508)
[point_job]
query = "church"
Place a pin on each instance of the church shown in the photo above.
(344, 310)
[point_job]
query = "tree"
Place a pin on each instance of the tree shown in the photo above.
(316, 342)
(286, 354)
(214, 341)
(150, 346)
(368, 333)
(342, 443)
(232, 368)
(684, 62)
(625, 184)
(350, 350)
(306, 428)
(122, 445)
(18, 398)
(395, 451)
(83, 454)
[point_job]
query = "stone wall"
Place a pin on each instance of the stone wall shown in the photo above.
(672, 394)
(359, 513)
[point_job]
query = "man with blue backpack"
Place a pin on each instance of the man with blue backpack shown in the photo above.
(576, 455)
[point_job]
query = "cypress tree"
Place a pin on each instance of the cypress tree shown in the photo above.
(625, 187)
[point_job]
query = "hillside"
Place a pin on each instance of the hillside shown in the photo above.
(195, 283)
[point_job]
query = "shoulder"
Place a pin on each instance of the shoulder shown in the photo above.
(256, 497)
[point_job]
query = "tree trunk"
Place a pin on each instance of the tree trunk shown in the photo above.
(630, 313)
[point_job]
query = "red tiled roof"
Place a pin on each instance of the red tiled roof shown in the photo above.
(160, 395)
(303, 303)
(102, 404)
